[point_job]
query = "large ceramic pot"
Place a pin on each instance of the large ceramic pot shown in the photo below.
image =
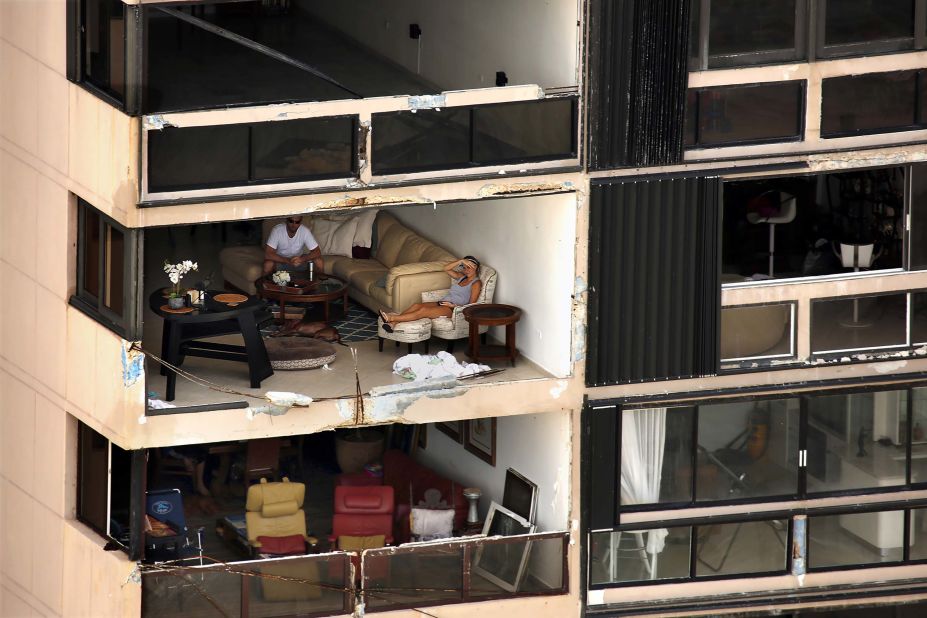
(356, 448)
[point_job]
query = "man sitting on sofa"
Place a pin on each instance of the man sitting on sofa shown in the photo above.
(284, 248)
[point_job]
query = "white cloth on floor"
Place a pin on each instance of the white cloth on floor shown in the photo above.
(440, 365)
(157, 404)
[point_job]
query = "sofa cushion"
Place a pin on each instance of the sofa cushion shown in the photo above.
(334, 237)
(365, 280)
(247, 260)
(347, 268)
(391, 243)
(379, 294)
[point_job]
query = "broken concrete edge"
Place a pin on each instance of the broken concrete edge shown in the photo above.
(899, 356)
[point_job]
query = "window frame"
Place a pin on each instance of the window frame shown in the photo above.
(920, 90)
(802, 111)
(704, 61)
(126, 325)
(867, 48)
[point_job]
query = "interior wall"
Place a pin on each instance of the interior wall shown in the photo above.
(535, 445)
(530, 242)
(464, 44)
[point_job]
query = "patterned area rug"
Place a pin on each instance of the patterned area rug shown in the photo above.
(360, 324)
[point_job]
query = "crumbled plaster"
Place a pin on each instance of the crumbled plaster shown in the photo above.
(269, 410)
(851, 160)
(428, 101)
(155, 122)
(799, 544)
(877, 357)
(133, 363)
(389, 402)
(288, 399)
(524, 188)
(368, 200)
(558, 389)
(345, 410)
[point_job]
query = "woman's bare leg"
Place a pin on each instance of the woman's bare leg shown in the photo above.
(421, 310)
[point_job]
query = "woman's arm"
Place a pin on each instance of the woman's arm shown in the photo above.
(449, 268)
(475, 291)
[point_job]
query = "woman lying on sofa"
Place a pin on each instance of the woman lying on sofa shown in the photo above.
(465, 289)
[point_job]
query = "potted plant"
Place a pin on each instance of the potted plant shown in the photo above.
(175, 272)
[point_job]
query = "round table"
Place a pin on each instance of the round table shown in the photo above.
(322, 289)
(492, 315)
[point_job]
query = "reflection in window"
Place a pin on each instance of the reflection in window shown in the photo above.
(874, 102)
(772, 34)
(103, 45)
(850, 22)
(855, 538)
(760, 331)
(747, 450)
(751, 114)
(866, 322)
(104, 253)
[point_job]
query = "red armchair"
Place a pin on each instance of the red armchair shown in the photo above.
(363, 512)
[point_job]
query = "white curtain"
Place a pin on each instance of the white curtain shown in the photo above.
(643, 437)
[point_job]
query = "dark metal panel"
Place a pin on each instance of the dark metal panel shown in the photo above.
(638, 55)
(599, 448)
(654, 264)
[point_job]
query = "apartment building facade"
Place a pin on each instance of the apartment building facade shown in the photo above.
(708, 213)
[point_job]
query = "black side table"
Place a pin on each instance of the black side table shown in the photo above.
(182, 331)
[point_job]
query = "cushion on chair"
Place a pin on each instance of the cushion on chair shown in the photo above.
(442, 324)
(263, 493)
(291, 353)
(279, 509)
(360, 543)
(406, 332)
(367, 502)
(428, 524)
(292, 545)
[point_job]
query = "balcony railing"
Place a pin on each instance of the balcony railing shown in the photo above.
(414, 575)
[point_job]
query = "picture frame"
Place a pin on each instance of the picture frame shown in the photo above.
(421, 441)
(520, 495)
(480, 438)
(453, 429)
(503, 564)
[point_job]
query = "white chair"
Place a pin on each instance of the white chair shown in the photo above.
(456, 327)
(787, 211)
(640, 547)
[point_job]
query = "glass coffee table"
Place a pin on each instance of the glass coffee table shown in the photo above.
(321, 289)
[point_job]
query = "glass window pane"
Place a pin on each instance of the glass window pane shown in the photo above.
(103, 24)
(295, 587)
(496, 561)
(656, 456)
(425, 575)
(859, 323)
(857, 538)
(771, 26)
(114, 270)
(858, 21)
(746, 547)
(523, 131)
(919, 318)
(917, 245)
(856, 441)
(755, 113)
(690, 137)
(296, 149)
(918, 434)
(868, 103)
(197, 157)
(918, 539)
(748, 332)
(200, 592)
(427, 139)
(640, 555)
(90, 249)
(92, 478)
(747, 449)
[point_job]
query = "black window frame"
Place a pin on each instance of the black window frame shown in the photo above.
(868, 48)
(920, 91)
(574, 141)
(126, 325)
(799, 136)
(704, 61)
(251, 181)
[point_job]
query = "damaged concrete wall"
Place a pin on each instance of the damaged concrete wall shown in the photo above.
(463, 44)
(530, 243)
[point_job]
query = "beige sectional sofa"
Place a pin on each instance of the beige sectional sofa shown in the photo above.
(402, 266)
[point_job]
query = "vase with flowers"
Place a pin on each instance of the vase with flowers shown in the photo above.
(175, 272)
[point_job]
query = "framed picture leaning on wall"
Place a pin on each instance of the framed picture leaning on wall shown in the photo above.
(503, 562)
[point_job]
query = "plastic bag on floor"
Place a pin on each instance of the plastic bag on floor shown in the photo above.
(440, 365)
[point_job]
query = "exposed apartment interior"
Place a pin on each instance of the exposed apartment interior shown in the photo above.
(526, 247)
(342, 484)
(235, 53)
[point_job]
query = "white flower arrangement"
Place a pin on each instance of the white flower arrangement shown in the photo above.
(175, 273)
(281, 277)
